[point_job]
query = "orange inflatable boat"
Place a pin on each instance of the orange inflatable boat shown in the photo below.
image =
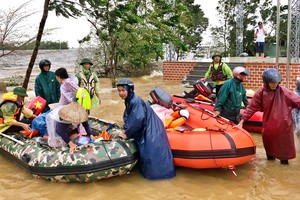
(202, 94)
(204, 141)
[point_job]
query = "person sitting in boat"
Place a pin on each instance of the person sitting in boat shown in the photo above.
(11, 109)
(218, 71)
(232, 96)
(276, 102)
(145, 127)
(55, 126)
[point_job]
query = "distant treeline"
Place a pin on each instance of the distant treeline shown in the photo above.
(43, 45)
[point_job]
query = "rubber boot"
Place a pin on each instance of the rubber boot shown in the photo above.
(270, 157)
(284, 162)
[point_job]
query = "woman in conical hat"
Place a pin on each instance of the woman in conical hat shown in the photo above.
(73, 113)
(70, 113)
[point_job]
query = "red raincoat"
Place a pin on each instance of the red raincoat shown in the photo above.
(277, 130)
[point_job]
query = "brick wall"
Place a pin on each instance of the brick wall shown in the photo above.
(178, 70)
(257, 69)
(175, 71)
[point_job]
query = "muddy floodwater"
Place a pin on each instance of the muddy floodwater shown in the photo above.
(258, 179)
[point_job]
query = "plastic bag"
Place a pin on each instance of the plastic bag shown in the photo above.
(39, 123)
(54, 140)
(82, 140)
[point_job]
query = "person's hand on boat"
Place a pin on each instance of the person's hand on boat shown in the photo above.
(92, 137)
(203, 79)
(239, 125)
(216, 113)
(72, 146)
(123, 135)
(26, 127)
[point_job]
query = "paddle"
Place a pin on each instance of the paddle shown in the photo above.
(189, 100)
(12, 138)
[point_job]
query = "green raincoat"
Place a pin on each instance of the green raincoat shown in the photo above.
(47, 87)
(232, 97)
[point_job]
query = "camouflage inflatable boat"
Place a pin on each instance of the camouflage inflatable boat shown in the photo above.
(91, 162)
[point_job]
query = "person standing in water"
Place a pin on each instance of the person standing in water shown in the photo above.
(46, 84)
(88, 79)
(143, 125)
(276, 102)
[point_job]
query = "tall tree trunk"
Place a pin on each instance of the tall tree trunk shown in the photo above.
(37, 44)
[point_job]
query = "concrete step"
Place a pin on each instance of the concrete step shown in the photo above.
(198, 72)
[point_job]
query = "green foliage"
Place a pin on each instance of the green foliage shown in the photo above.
(194, 25)
(65, 8)
(134, 32)
(14, 80)
(48, 45)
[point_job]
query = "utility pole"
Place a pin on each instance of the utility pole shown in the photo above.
(277, 34)
(293, 36)
(239, 26)
(170, 48)
(294, 11)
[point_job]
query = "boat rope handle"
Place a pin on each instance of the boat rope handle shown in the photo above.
(107, 151)
(232, 168)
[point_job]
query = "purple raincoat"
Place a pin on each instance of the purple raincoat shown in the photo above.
(277, 130)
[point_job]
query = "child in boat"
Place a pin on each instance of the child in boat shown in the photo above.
(232, 95)
(11, 109)
(145, 127)
(276, 102)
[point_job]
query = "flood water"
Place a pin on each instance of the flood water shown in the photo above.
(258, 179)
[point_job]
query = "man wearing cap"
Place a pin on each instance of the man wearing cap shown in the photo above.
(218, 71)
(11, 109)
(88, 79)
(46, 84)
(260, 34)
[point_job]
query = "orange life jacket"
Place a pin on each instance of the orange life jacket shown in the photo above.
(175, 120)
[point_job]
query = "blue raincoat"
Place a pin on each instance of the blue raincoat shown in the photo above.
(142, 124)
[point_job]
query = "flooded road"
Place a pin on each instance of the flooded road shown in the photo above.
(258, 179)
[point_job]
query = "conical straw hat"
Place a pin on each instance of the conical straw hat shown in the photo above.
(73, 112)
